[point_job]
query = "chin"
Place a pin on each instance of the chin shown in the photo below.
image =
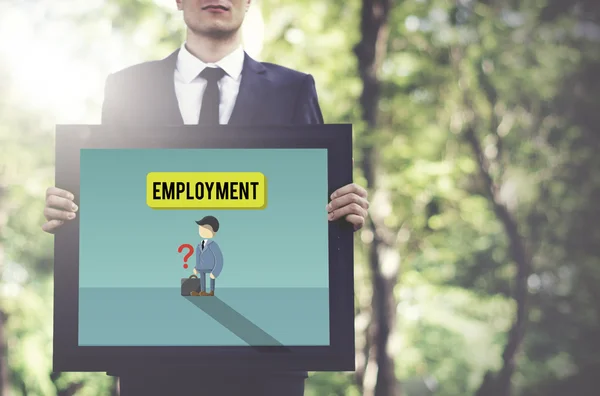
(215, 29)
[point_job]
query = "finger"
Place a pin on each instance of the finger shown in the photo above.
(55, 214)
(347, 200)
(349, 188)
(57, 202)
(52, 226)
(347, 210)
(357, 221)
(60, 193)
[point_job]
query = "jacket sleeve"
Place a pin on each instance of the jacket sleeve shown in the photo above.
(307, 109)
(110, 102)
(214, 248)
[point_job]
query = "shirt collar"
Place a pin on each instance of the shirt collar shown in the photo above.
(189, 66)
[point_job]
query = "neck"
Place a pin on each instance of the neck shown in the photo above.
(212, 49)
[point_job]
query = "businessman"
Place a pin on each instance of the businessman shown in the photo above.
(211, 80)
(209, 258)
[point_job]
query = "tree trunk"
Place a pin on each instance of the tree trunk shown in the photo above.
(4, 384)
(501, 384)
(377, 374)
(3, 353)
(363, 318)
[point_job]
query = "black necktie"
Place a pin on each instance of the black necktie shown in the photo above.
(209, 112)
(203, 245)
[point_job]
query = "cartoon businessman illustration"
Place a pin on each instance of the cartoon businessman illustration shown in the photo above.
(209, 259)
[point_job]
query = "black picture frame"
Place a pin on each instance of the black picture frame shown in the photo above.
(338, 356)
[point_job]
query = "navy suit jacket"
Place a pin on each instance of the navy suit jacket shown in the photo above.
(269, 94)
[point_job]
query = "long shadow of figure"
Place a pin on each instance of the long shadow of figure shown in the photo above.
(238, 324)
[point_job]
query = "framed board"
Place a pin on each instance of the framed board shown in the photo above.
(144, 275)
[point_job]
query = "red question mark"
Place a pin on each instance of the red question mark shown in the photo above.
(187, 256)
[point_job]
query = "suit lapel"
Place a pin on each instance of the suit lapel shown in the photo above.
(168, 107)
(254, 85)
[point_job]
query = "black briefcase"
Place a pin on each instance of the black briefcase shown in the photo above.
(188, 285)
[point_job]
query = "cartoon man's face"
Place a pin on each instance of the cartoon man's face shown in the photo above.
(206, 231)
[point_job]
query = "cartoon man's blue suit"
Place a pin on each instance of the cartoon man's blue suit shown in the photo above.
(209, 258)
(208, 261)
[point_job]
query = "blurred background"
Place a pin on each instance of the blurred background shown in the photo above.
(476, 133)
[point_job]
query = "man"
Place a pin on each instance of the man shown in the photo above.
(209, 258)
(208, 80)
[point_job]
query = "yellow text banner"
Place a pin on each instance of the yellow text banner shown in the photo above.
(206, 190)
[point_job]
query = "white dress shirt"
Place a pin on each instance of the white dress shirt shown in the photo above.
(189, 87)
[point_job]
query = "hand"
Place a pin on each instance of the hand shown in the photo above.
(349, 201)
(195, 271)
(212, 276)
(59, 208)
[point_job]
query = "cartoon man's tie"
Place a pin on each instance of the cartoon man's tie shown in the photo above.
(204, 241)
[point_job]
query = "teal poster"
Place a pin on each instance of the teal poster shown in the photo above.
(166, 260)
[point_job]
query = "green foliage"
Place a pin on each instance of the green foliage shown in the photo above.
(330, 384)
(532, 90)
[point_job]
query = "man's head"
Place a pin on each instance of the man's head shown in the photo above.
(218, 19)
(208, 226)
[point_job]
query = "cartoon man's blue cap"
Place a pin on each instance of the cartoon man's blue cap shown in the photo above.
(209, 220)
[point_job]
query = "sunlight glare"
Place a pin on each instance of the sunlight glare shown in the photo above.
(253, 31)
(51, 75)
(42, 66)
